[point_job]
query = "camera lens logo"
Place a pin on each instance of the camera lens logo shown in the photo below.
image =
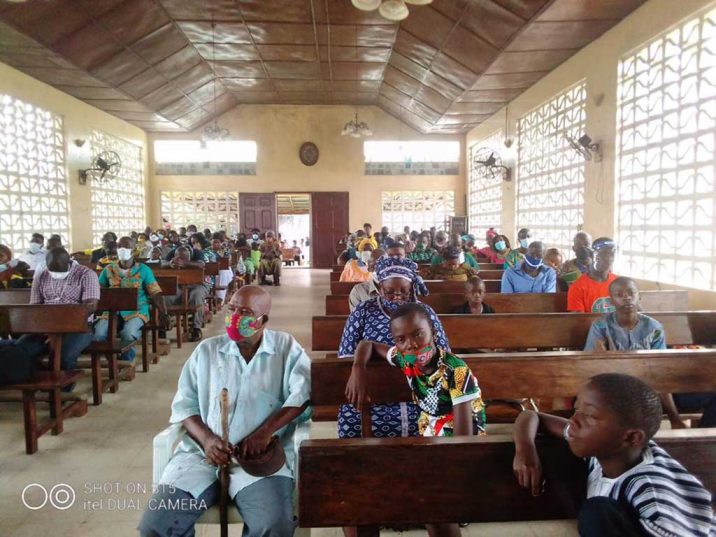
(35, 496)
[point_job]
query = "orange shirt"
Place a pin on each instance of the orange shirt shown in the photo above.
(589, 296)
(353, 273)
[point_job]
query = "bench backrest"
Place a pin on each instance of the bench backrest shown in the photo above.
(520, 375)
(211, 268)
(524, 302)
(110, 299)
(434, 286)
(189, 276)
(44, 318)
(223, 263)
(483, 266)
(532, 330)
(342, 482)
(168, 284)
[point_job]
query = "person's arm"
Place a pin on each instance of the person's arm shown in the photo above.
(526, 464)
(212, 444)
(357, 388)
(596, 341)
(151, 286)
(506, 285)
(550, 282)
(462, 419)
(257, 442)
(669, 406)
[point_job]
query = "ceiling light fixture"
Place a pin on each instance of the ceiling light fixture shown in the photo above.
(213, 132)
(356, 128)
(393, 10)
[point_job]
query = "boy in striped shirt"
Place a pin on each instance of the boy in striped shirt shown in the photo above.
(634, 488)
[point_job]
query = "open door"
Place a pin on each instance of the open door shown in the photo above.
(329, 222)
(257, 211)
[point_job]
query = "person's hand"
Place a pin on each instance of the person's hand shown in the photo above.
(357, 388)
(255, 444)
(600, 346)
(678, 423)
(163, 321)
(528, 469)
(216, 451)
(177, 262)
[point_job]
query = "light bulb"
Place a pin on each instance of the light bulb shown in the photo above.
(366, 5)
(394, 10)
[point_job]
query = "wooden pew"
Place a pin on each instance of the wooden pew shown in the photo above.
(53, 321)
(520, 375)
(483, 266)
(181, 312)
(434, 286)
(524, 302)
(484, 274)
(343, 482)
(212, 269)
(169, 287)
(111, 300)
(532, 330)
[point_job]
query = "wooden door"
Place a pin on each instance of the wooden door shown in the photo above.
(257, 211)
(329, 222)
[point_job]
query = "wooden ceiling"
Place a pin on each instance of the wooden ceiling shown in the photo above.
(154, 63)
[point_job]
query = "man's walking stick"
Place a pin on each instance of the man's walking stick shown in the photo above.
(224, 471)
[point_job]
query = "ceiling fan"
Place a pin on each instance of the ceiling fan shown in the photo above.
(104, 168)
(491, 162)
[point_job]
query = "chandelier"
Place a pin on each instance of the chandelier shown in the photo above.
(393, 10)
(213, 132)
(356, 128)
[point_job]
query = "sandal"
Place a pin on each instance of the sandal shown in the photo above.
(196, 335)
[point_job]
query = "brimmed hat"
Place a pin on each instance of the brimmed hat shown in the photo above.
(268, 463)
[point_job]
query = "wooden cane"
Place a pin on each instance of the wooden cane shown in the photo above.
(224, 472)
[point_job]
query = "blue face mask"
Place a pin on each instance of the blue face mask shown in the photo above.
(533, 262)
(3, 267)
(524, 243)
(500, 245)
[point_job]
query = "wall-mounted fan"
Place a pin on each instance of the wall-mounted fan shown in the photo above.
(585, 147)
(490, 160)
(104, 168)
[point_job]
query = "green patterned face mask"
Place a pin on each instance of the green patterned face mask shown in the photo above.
(422, 356)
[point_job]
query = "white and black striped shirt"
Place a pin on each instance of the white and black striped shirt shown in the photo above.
(668, 500)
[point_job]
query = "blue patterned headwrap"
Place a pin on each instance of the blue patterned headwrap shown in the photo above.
(395, 267)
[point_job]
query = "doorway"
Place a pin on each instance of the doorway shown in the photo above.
(294, 226)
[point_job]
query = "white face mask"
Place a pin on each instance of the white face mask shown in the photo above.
(124, 254)
(153, 238)
(34, 247)
(365, 256)
(58, 275)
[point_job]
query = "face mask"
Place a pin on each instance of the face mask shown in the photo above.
(58, 275)
(153, 238)
(161, 237)
(3, 267)
(524, 243)
(421, 357)
(255, 237)
(461, 258)
(500, 245)
(152, 261)
(34, 247)
(124, 254)
(365, 256)
(534, 262)
(241, 327)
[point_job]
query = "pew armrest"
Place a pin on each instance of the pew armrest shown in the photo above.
(164, 445)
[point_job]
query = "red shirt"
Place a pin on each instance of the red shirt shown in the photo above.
(589, 296)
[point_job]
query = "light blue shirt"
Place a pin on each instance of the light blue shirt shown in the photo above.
(647, 334)
(516, 280)
(278, 376)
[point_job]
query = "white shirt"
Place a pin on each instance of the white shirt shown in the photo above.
(361, 292)
(34, 259)
(278, 376)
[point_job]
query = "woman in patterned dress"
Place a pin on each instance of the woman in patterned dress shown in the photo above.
(398, 283)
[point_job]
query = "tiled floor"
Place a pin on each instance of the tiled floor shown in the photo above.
(106, 456)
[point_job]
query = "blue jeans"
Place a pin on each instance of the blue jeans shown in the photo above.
(266, 508)
(129, 331)
(694, 402)
(72, 347)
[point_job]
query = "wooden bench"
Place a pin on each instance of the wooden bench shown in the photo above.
(52, 321)
(181, 312)
(484, 274)
(524, 302)
(522, 375)
(532, 330)
(343, 482)
(434, 286)
(424, 266)
(169, 287)
(288, 255)
(111, 300)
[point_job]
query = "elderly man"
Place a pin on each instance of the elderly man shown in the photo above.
(126, 272)
(183, 258)
(270, 264)
(35, 254)
(267, 375)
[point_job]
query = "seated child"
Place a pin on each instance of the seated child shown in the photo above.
(625, 329)
(444, 388)
(474, 295)
(634, 488)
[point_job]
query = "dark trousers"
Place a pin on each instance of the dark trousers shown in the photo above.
(602, 517)
(697, 402)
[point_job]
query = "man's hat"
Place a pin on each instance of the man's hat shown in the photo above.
(603, 243)
(268, 463)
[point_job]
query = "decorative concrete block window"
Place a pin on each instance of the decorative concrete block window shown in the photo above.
(214, 210)
(418, 209)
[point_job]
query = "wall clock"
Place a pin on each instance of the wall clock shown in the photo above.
(308, 153)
